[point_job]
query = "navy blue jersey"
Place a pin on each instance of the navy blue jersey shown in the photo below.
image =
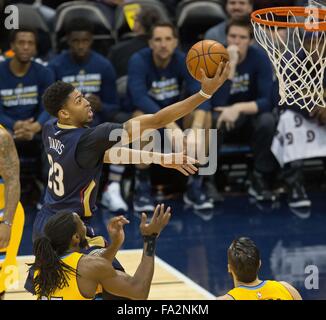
(151, 88)
(20, 97)
(253, 81)
(96, 76)
(69, 186)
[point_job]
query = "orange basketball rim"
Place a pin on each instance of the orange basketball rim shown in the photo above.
(268, 17)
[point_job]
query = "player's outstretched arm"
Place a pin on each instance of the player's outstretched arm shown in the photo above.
(136, 126)
(117, 237)
(119, 283)
(177, 161)
(9, 171)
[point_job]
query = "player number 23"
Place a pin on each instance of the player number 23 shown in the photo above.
(55, 181)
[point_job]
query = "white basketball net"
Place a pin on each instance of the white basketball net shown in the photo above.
(298, 67)
(317, 3)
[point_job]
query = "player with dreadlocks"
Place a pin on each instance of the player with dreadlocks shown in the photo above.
(52, 271)
(62, 272)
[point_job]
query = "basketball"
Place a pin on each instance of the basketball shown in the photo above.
(206, 54)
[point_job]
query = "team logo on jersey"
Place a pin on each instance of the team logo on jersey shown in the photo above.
(259, 295)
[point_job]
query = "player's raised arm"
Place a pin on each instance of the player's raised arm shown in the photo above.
(117, 237)
(138, 285)
(136, 126)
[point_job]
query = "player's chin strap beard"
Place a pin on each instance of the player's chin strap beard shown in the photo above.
(151, 244)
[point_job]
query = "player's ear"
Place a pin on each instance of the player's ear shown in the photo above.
(63, 114)
(75, 238)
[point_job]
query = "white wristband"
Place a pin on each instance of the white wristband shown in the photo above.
(205, 95)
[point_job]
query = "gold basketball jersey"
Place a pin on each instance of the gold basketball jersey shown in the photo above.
(267, 290)
(70, 292)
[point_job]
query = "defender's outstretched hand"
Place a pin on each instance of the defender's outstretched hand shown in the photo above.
(210, 85)
(115, 229)
(158, 222)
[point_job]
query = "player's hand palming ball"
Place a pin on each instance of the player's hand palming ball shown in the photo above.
(206, 55)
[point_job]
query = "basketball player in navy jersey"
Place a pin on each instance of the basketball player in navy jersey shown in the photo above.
(76, 153)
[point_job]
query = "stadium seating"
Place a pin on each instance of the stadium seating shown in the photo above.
(29, 16)
(122, 29)
(193, 18)
(103, 30)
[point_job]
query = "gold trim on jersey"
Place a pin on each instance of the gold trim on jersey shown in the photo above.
(65, 126)
(86, 195)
